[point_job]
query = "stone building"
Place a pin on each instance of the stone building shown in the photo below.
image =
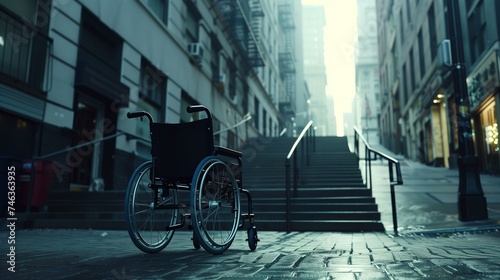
(418, 108)
(71, 70)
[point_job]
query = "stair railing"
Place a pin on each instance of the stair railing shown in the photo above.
(307, 147)
(66, 150)
(393, 165)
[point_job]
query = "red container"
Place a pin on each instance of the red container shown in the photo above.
(43, 178)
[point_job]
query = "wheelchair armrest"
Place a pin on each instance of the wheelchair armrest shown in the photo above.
(227, 152)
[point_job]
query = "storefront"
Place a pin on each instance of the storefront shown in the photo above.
(433, 135)
(483, 89)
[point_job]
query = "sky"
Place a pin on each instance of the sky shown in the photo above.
(340, 39)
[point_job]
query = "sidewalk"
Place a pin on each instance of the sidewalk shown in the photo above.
(87, 254)
(427, 200)
(431, 244)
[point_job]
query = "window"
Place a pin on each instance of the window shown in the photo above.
(405, 84)
(432, 31)
(256, 113)
(232, 80)
(401, 26)
(100, 45)
(152, 95)
(159, 8)
(215, 62)
(477, 30)
(422, 54)
(153, 84)
(192, 30)
(412, 71)
(469, 4)
(264, 122)
(408, 11)
(24, 47)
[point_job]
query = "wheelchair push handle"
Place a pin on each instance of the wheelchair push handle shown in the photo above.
(198, 108)
(132, 115)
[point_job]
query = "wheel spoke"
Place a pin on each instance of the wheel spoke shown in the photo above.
(146, 225)
(217, 206)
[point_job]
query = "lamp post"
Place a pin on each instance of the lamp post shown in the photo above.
(471, 200)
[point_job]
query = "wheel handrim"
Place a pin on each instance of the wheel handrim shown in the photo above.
(146, 224)
(217, 205)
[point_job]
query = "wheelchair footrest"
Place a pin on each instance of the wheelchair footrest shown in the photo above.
(181, 224)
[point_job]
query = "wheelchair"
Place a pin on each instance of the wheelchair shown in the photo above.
(184, 158)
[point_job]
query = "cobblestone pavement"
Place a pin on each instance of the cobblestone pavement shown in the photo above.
(95, 254)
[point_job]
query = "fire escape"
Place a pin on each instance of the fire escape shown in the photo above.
(287, 61)
(241, 21)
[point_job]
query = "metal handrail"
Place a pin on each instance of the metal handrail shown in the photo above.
(392, 164)
(310, 137)
(246, 118)
(119, 133)
(56, 153)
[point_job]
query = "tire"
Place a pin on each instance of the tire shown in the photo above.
(146, 225)
(196, 243)
(215, 205)
(252, 238)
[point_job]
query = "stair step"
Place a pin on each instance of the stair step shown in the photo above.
(331, 195)
(319, 215)
(320, 225)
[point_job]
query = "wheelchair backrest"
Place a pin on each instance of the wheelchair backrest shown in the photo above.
(178, 148)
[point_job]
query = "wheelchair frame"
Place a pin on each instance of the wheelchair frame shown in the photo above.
(152, 207)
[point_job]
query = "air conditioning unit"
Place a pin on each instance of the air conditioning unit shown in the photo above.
(222, 79)
(444, 54)
(196, 51)
(234, 99)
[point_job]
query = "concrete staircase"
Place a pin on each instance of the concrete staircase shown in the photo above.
(79, 210)
(331, 195)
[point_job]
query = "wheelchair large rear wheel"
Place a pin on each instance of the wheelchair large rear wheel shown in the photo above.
(146, 225)
(215, 205)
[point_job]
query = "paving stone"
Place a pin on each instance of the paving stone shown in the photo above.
(311, 255)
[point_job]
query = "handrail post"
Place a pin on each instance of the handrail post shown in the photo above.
(303, 153)
(356, 144)
(370, 169)
(307, 146)
(394, 213)
(366, 164)
(314, 140)
(295, 173)
(293, 152)
(391, 172)
(287, 194)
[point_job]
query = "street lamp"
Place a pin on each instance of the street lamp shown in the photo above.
(471, 200)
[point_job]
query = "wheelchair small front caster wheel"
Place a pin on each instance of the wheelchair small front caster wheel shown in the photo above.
(252, 238)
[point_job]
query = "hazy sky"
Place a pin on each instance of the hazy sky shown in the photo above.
(340, 40)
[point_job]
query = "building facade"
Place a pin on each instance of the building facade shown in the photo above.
(367, 99)
(71, 70)
(418, 99)
(315, 70)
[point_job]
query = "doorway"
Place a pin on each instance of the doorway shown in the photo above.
(487, 139)
(429, 149)
(89, 115)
